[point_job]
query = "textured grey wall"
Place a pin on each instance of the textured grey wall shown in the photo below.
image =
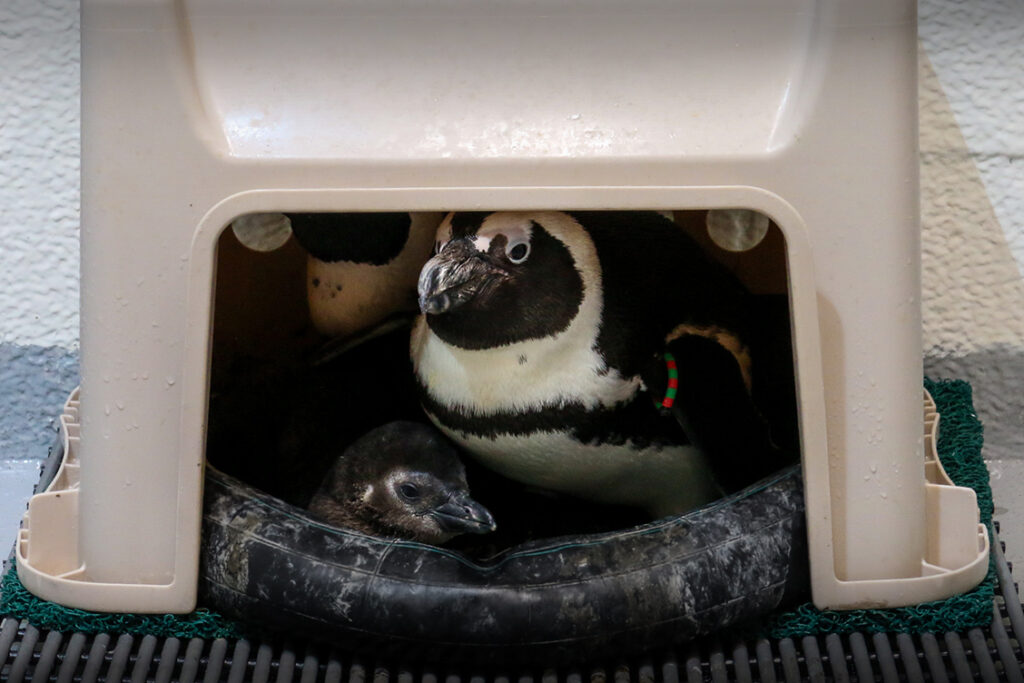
(973, 294)
(39, 152)
(972, 208)
(34, 383)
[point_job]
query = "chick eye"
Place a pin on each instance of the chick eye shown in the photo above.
(409, 491)
(518, 252)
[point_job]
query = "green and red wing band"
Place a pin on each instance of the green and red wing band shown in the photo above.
(673, 382)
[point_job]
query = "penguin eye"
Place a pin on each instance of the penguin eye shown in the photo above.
(409, 492)
(518, 252)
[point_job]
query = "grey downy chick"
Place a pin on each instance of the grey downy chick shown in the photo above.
(401, 480)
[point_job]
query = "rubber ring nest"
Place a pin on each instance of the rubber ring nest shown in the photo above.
(559, 599)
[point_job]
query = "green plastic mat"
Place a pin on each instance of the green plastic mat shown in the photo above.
(16, 601)
(959, 449)
(960, 441)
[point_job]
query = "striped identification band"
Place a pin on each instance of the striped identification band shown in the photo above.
(673, 381)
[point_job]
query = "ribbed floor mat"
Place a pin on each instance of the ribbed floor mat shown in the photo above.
(990, 654)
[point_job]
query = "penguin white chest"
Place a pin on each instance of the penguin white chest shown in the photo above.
(664, 481)
(521, 409)
(522, 377)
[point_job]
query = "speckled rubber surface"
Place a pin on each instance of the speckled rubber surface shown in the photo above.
(265, 562)
(991, 654)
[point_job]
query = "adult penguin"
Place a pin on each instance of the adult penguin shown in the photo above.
(599, 354)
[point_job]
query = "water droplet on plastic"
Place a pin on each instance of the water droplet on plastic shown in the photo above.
(170, 381)
(119, 404)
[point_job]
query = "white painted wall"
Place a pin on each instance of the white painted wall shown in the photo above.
(977, 49)
(39, 150)
(972, 138)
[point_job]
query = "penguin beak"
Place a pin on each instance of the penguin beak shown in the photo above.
(456, 275)
(460, 514)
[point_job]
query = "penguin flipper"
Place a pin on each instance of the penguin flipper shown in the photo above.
(715, 411)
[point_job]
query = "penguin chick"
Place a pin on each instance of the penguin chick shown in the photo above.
(401, 480)
(537, 331)
(362, 267)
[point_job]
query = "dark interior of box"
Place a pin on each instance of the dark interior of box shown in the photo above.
(285, 400)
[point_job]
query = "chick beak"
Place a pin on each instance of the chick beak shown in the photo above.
(461, 514)
(454, 276)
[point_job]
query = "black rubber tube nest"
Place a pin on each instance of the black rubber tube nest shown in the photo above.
(554, 600)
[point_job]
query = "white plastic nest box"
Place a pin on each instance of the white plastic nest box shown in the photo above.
(195, 113)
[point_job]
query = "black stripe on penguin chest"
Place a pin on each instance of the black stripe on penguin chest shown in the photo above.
(636, 422)
(539, 298)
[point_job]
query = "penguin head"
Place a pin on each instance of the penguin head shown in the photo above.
(500, 278)
(403, 480)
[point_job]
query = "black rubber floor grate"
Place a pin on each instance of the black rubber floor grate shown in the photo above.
(990, 654)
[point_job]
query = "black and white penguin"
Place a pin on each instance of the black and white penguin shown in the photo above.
(541, 350)
(401, 480)
(362, 267)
